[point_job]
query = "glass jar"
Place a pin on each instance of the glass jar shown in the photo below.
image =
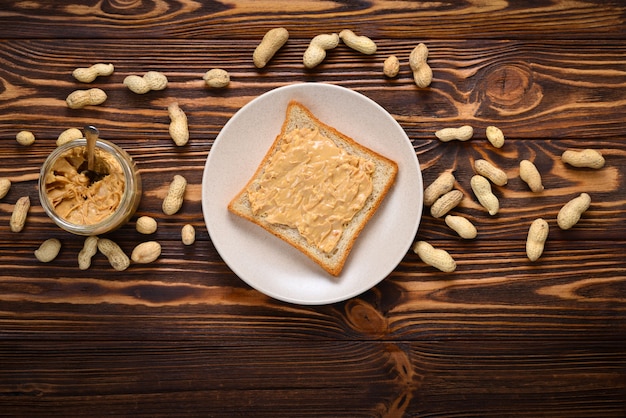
(61, 183)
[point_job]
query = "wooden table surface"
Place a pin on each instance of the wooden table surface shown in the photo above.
(184, 336)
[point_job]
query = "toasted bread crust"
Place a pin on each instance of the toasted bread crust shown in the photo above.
(298, 116)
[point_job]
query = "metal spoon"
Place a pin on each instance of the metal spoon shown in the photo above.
(91, 135)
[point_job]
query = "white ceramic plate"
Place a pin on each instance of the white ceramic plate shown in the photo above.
(267, 263)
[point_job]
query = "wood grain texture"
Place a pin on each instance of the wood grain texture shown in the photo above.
(248, 19)
(184, 336)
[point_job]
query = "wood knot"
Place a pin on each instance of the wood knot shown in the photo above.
(510, 89)
(117, 6)
(408, 382)
(364, 318)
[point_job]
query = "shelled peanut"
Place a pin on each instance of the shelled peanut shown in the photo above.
(482, 189)
(446, 203)
(178, 128)
(188, 234)
(69, 135)
(19, 214)
(391, 66)
(462, 133)
(272, 41)
(316, 51)
(146, 252)
(461, 226)
(174, 198)
(146, 225)
(89, 74)
(587, 158)
(438, 258)
(491, 172)
(48, 250)
(25, 138)
(495, 136)
(536, 239)
(216, 78)
(422, 73)
(442, 185)
(570, 213)
(530, 175)
(81, 98)
(90, 248)
(5, 186)
(116, 256)
(152, 80)
(359, 43)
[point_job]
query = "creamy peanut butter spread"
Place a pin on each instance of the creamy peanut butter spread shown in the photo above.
(313, 185)
(74, 197)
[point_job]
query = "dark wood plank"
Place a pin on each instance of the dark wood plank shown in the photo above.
(322, 378)
(555, 89)
(383, 19)
(495, 293)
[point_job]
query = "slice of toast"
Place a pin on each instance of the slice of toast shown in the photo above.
(383, 177)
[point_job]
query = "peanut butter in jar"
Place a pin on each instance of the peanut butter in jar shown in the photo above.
(86, 206)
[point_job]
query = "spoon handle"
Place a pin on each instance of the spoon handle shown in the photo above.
(91, 134)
